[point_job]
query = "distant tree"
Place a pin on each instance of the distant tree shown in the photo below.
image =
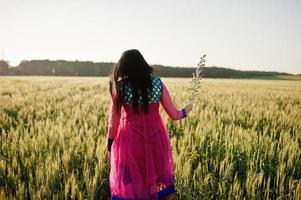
(88, 68)
(4, 68)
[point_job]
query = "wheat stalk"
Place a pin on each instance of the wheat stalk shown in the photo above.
(195, 83)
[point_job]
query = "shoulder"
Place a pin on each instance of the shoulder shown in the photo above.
(155, 78)
(156, 83)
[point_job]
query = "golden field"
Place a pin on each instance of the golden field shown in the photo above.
(241, 141)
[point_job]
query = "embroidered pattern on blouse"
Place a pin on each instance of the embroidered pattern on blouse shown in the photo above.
(154, 96)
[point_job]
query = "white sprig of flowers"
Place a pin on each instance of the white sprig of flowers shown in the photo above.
(195, 83)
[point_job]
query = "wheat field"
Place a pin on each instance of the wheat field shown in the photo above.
(241, 141)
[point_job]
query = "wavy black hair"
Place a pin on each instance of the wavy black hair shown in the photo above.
(131, 68)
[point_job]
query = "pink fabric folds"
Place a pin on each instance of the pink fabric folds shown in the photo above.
(141, 159)
(165, 100)
(141, 154)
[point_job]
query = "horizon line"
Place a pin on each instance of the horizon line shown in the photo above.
(176, 66)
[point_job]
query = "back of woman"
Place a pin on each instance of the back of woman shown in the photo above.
(141, 154)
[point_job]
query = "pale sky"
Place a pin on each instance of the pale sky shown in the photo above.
(240, 34)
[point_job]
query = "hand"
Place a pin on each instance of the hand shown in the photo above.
(188, 107)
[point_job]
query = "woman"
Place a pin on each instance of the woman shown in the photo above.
(138, 142)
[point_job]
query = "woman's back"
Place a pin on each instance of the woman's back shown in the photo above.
(141, 154)
(154, 96)
(143, 167)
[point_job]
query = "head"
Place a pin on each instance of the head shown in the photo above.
(131, 68)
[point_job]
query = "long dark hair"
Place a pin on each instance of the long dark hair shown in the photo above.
(131, 68)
